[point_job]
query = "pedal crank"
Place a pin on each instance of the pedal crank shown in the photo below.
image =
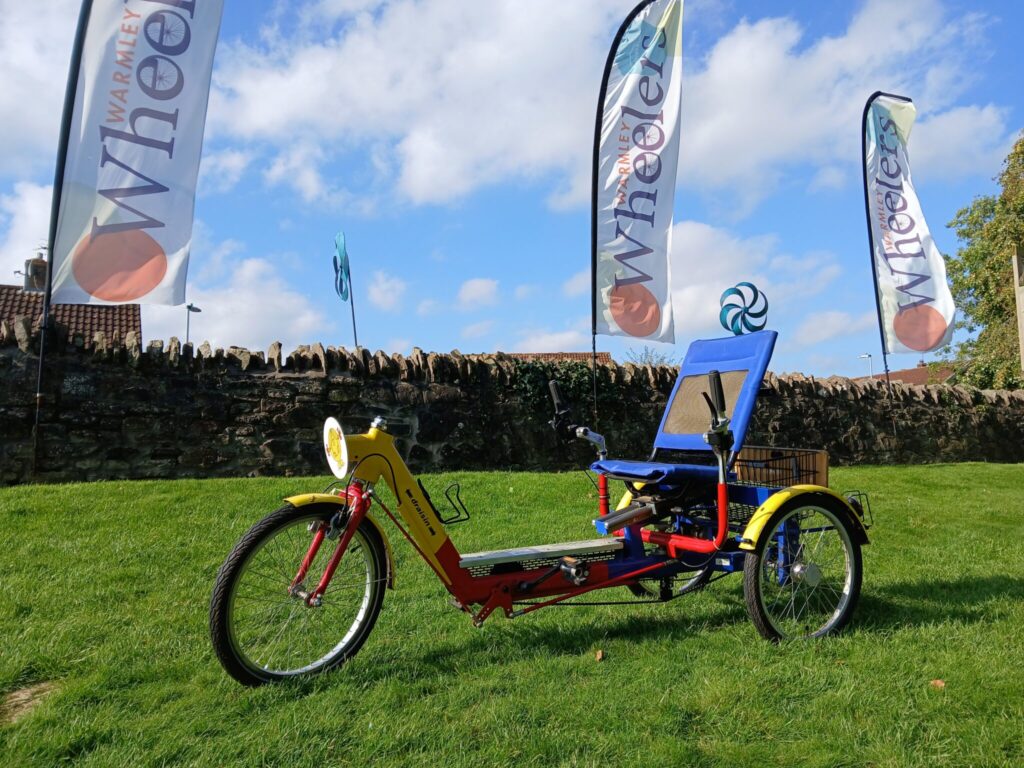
(576, 571)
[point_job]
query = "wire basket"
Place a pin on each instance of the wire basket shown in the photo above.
(781, 467)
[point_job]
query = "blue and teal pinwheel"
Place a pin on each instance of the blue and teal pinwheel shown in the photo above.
(342, 274)
(744, 309)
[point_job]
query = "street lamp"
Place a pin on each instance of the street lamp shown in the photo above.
(871, 368)
(189, 309)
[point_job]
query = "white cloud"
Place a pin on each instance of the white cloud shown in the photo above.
(220, 172)
(477, 330)
(212, 261)
(578, 284)
(828, 177)
(765, 99)
(832, 324)
(297, 168)
(503, 101)
(35, 47)
(478, 292)
(523, 292)
(399, 345)
(554, 341)
(25, 219)
(428, 307)
(244, 312)
(962, 142)
(386, 291)
(706, 260)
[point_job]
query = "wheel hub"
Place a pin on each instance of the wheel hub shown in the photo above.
(807, 573)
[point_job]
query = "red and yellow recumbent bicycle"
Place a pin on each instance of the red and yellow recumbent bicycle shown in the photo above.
(300, 592)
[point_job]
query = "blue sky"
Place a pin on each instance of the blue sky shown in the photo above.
(451, 142)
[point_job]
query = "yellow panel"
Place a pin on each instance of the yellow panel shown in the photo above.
(753, 530)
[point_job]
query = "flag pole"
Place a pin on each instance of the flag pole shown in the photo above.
(352, 303)
(70, 93)
(595, 187)
(867, 216)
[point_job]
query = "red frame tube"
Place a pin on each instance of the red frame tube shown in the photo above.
(675, 543)
(602, 495)
(358, 503)
(307, 561)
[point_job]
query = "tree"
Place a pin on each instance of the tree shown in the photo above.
(648, 355)
(983, 279)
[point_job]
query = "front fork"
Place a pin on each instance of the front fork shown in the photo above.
(357, 499)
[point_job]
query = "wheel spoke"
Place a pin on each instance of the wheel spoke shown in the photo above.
(277, 633)
(804, 572)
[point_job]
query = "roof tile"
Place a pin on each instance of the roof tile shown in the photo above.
(114, 320)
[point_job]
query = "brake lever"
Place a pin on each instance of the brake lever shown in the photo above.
(711, 407)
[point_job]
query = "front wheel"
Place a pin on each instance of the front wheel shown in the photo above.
(262, 628)
(803, 578)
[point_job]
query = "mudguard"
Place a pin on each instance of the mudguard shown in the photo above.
(306, 499)
(760, 518)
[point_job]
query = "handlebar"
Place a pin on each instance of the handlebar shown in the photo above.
(717, 393)
(556, 397)
(716, 400)
(563, 422)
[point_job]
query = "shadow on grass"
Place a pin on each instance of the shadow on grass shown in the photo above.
(968, 599)
(886, 607)
(526, 642)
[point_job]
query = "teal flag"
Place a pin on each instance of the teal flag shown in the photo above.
(342, 274)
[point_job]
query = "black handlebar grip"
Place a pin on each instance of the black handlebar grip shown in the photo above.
(717, 393)
(556, 396)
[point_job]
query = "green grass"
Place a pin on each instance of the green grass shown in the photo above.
(104, 590)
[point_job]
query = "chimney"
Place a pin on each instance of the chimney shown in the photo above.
(35, 275)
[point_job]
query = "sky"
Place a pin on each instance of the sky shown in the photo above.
(452, 143)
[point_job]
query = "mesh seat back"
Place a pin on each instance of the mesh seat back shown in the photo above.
(742, 361)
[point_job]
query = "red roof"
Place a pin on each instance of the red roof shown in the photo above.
(921, 375)
(86, 319)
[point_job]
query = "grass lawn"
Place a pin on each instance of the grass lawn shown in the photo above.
(104, 591)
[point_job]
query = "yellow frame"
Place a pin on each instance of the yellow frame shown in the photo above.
(374, 457)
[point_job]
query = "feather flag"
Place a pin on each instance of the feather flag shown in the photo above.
(124, 195)
(636, 153)
(342, 271)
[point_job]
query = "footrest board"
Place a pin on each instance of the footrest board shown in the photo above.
(540, 552)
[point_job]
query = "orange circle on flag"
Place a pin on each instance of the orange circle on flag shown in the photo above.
(635, 309)
(119, 266)
(920, 328)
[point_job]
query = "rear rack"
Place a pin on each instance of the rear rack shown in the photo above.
(768, 467)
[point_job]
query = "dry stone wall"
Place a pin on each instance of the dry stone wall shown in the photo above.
(114, 409)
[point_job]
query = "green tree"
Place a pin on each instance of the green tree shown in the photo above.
(982, 277)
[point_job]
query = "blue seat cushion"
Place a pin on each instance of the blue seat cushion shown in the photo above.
(653, 472)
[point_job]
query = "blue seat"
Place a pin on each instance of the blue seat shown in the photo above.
(680, 453)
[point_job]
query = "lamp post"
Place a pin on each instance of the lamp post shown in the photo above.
(189, 309)
(871, 367)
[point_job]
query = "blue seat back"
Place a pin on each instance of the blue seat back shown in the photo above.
(742, 361)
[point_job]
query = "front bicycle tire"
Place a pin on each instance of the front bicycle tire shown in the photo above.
(803, 578)
(262, 631)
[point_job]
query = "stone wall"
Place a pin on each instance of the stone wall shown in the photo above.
(116, 410)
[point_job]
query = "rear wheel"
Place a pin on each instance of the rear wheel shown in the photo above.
(263, 630)
(803, 578)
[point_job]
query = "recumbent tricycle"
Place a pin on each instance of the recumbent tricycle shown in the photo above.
(300, 592)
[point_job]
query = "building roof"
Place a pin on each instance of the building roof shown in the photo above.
(115, 321)
(603, 358)
(920, 374)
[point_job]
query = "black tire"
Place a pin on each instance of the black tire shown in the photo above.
(235, 616)
(818, 590)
